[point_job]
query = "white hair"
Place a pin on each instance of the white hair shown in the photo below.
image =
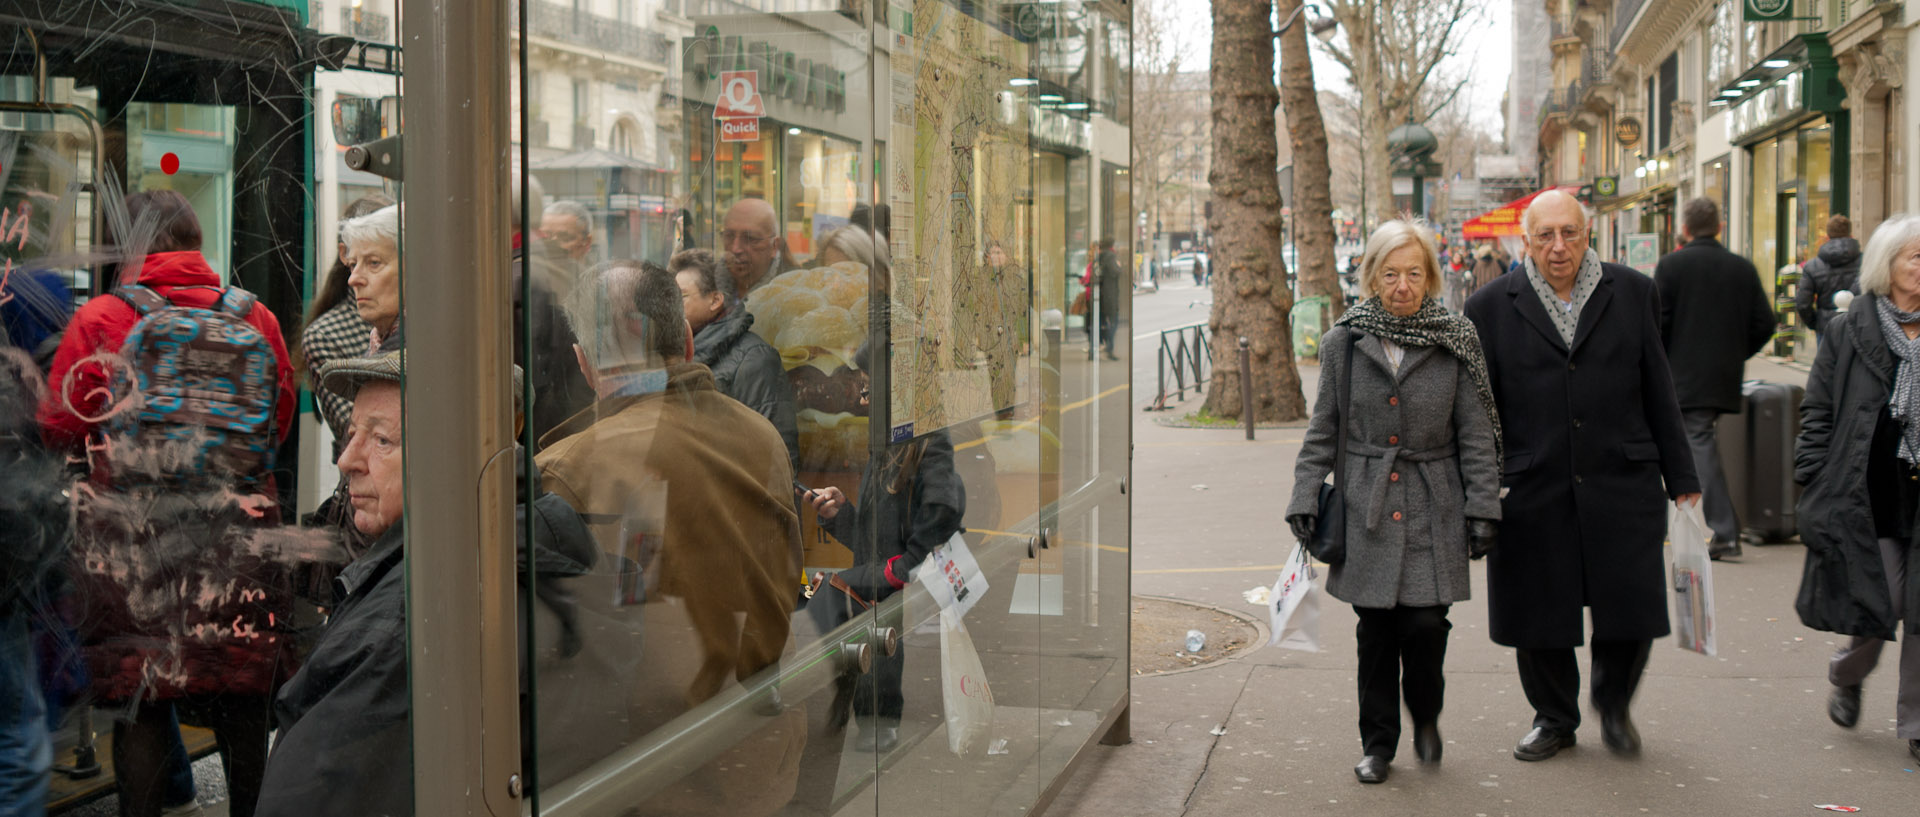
(1392, 236)
(1526, 216)
(573, 210)
(1892, 236)
(854, 242)
(380, 225)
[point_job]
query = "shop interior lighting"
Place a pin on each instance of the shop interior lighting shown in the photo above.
(1782, 83)
(1639, 172)
(1052, 98)
(1729, 93)
(1749, 83)
(1022, 82)
(1074, 106)
(1774, 64)
(793, 131)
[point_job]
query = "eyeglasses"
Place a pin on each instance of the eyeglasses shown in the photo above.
(1570, 235)
(728, 237)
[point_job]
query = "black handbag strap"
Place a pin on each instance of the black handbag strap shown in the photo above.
(1346, 402)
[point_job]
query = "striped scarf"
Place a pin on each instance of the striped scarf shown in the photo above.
(1905, 399)
(1433, 325)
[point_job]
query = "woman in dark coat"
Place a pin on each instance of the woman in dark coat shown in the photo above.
(1858, 448)
(911, 501)
(1422, 482)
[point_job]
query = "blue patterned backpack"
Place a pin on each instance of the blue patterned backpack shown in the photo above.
(207, 380)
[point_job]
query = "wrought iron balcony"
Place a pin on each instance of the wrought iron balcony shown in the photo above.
(366, 25)
(583, 28)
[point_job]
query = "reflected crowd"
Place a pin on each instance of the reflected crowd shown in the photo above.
(699, 440)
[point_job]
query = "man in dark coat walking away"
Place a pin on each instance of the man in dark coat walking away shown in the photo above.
(1107, 268)
(1835, 268)
(1713, 316)
(1594, 448)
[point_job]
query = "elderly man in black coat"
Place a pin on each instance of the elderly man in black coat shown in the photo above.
(1594, 448)
(1713, 316)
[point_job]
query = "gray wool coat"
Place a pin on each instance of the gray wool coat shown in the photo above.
(1420, 463)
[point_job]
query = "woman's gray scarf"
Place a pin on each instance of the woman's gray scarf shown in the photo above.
(1432, 325)
(1905, 399)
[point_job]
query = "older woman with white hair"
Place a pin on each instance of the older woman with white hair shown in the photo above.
(1859, 458)
(1405, 406)
(373, 251)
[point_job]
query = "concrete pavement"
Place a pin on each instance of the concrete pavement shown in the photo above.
(1745, 732)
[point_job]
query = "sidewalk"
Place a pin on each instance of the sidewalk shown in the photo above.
(1742, 732)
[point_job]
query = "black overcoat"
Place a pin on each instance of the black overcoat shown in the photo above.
(1591, 435)
(1843, 587)
(1713, 316)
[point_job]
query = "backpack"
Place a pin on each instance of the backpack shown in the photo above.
(207, 380)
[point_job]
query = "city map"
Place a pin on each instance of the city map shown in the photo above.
(960, 197)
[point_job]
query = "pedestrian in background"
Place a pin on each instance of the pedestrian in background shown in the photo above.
(1594, 445)
(1836, 268)
(1421, 441)
(1857, 454)
(1486, 267)
(1713, 316)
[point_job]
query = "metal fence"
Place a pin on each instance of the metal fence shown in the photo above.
(1187, 355)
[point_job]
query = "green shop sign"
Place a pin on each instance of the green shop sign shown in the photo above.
(1766, 11)
(801, 81)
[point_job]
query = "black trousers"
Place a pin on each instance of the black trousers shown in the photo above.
(1402, 651)
(1551, 678)
(140, 748)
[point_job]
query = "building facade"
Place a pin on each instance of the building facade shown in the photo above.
(1782, 123)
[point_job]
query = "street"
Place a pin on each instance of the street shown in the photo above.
(1274, 731)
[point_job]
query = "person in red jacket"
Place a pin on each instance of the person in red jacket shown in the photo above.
(178, 605)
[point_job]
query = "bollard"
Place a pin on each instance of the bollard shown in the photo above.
(1246, 386)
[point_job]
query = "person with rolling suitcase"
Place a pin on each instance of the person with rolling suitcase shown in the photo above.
(1713, 316)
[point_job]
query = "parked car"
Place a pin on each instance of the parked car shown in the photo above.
(1193, 264)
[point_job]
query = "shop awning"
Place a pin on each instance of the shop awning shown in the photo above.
(1504, 221)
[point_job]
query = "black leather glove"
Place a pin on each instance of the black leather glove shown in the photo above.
(1303, 525)
(1482, 535)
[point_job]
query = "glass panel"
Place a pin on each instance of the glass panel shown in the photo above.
(176, 584)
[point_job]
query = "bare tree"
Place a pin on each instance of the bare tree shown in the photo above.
(1312, 204)
(1168, 126)
(1391, 48)
(1250, 296)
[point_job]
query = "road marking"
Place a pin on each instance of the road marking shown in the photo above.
(1029, 423)
(1233, 442)
(1242, 569)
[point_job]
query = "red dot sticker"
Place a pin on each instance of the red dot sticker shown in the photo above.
(170, 163)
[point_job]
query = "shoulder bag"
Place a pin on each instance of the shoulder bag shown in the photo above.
(1329, 542)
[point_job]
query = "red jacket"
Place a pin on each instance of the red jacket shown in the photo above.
(103, 324)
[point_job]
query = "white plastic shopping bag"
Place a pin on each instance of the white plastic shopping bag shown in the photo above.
(1692, 579)
(963, 686)
(952, 577)
(1293, 608)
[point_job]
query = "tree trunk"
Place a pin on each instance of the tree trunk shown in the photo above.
(1250, 296)
(1313, 236)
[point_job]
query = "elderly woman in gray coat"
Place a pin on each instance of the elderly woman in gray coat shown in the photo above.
(1422, 481)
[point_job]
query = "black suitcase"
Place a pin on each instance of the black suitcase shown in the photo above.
(1756, 449)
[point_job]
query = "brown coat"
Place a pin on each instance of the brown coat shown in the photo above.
(695, 489)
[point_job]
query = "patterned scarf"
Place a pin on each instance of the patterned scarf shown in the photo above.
(1905, 399)
(1584, 283)
(1433, 325)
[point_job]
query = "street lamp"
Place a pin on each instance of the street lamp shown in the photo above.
(1320, 24)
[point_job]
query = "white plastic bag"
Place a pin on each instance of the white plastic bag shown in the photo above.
(1692, 580)
(1293, 607)
(963, 686)
(952, 576)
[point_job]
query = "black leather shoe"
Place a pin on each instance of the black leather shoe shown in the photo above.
(1542, 743)
(1913, 748)
(1371, 769)
(1426, 742)
(880, 739)
(1844, 705)
(1718, 550)
(1617, 731)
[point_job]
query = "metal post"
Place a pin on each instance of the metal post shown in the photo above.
(459, 417)
(1246, 386)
